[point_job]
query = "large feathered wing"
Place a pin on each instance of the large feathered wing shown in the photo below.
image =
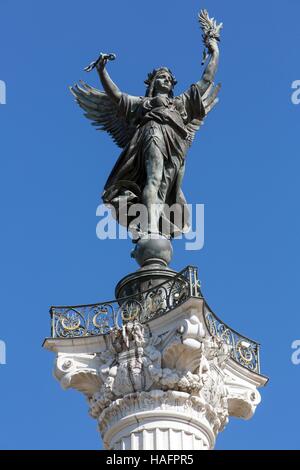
(103, 112)
(209, 100)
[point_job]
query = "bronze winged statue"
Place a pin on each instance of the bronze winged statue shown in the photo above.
(154, 133)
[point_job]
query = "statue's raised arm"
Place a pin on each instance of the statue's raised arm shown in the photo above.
(109, 86)
(103, 107)
(201, 97)
(211, 37)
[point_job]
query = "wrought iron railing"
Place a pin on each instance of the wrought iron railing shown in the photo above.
(99, 319)
(242, 349)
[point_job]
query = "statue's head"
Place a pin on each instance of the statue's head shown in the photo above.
(160, 80)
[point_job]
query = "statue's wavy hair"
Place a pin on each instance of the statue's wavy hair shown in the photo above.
(152, 76)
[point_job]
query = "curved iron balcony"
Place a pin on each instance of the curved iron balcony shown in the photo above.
(99, 319)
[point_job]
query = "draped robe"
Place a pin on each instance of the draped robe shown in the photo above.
(161, 121)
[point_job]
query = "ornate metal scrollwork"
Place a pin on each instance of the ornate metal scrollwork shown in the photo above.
(243, 350)
(97, 319)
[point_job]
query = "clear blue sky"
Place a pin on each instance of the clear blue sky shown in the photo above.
(244, 166)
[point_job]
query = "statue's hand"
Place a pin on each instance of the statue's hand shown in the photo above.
(103, 59)
(101, 62)
(212, 45)
(211, 33)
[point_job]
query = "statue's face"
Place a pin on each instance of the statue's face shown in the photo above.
(163, 83)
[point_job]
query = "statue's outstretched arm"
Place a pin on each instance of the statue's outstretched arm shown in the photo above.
(211, 68)
(211, 35)
(109, 86)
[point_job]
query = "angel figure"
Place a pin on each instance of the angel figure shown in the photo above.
(155, 132)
